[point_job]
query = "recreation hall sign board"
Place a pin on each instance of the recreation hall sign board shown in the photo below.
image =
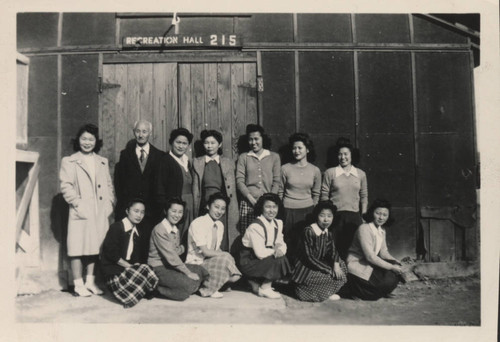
(183, 41)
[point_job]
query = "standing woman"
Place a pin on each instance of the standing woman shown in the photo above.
(213, 173)
(301, 186)
(175, 177)
(257, 172)
(347, 188)
(86, 186)
(373, 271)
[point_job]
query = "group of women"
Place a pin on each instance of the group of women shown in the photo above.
(293, 224)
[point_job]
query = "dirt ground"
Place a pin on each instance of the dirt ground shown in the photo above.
(451, 302)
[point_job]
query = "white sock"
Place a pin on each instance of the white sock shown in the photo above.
(90, 279)
(78, 282)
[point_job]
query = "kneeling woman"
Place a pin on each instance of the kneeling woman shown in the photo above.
(262, 256)
(127, 279)
(319, 272)
(373, 272)
(177, 280)
(204, 240)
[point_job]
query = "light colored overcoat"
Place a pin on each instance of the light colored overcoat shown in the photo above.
(90, 203)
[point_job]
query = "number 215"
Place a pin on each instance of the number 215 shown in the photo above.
(231, 41)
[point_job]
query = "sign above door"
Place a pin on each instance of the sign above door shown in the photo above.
(183, 41)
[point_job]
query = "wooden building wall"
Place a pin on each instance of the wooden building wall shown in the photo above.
(399, 86)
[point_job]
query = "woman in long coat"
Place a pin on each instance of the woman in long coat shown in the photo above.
(228, 185)
(87, 187)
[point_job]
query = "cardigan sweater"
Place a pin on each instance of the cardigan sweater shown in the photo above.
(258, 176)
(362, 253)
(345, 191)
(165, 247)
(300, 186)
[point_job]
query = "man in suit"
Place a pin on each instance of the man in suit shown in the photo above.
(134, 178)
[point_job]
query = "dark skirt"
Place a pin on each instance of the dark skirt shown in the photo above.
(247, 216)
(293, 228)
(176, 285)
(269, 268)
(381, 283)
(344, 226)
(318, 286)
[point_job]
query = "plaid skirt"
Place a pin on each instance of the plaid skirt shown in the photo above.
(132, 284)
(318, 286)
(220, 268)
(247, 216)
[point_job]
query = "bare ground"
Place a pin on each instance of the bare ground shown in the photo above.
(453, 301)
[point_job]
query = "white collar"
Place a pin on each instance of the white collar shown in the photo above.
(317, 230)
(216, 158)
(267, 224)
(378, 230)
(169, 227)
(128, 226)
(183, 160)
(145, 148)
(339, 171)
(211, 220)
(264, 154)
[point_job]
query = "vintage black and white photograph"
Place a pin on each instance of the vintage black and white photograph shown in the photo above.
(249, 168)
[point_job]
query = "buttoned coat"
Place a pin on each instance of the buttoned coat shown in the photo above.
(90, 203)
(227, 168)
(131, 182)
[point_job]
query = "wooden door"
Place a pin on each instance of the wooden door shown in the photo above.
(220, 96)
(136, 91)
(199, 96)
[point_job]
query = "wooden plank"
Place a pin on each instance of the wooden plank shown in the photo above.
(238, 103)
(145, 91)
(172, 116)
(184, 71)
(211, 98)
(442, 240)
(107, 117)
(224, 109)
(133, 108)
(159, 105)
(459, 243)
(181, 56)
(426, 238)
(198, 120)
(250, 78)
(123, 129)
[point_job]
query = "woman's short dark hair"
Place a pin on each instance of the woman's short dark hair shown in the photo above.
(212, 133)
(259, 206)
(134, 201)
(345, 142)
(252, 128)
(180, 131)
(308, 143)
(323, 205)
(217, 196)
(89, 128)
(379, 203)
(171, 201)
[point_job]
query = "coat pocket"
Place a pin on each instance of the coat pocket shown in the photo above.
(82, 211)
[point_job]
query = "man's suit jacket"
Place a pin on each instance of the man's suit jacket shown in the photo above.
(131, 183)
